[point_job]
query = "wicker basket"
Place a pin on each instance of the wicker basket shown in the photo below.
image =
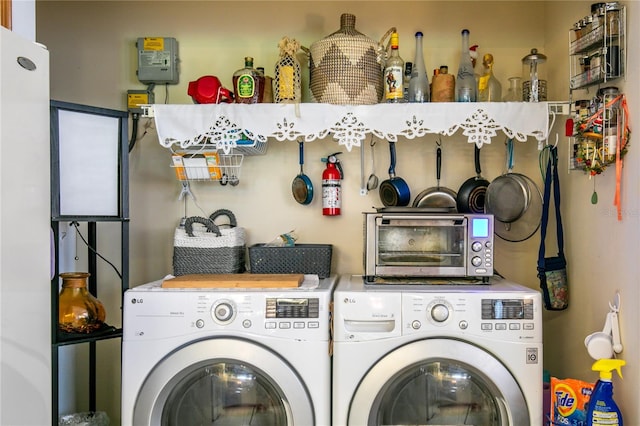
(209, 249)
(346, 67)
(298, 259)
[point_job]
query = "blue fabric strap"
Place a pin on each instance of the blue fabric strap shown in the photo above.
(551, 176)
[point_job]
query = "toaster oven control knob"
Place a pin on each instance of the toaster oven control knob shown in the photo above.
(476, 261)
(440, 312)
(223, 312)
(476, 246)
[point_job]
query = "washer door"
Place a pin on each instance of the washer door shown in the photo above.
(439, 382)
(226, 382)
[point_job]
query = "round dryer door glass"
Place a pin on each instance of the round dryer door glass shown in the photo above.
(226, 393)
(439, 382)
(439, 393)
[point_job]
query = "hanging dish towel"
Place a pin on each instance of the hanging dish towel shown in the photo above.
(552, 271)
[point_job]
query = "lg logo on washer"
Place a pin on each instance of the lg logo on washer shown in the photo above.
(135, 300)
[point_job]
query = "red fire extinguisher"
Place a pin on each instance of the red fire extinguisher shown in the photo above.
(332, 186)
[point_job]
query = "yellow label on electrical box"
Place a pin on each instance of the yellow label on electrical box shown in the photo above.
(153, 43)
(134, 100)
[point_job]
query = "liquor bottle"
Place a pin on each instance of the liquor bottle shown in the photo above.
(489, 88)
(408, 68)
(393, 74)
(419, 83)
(248, 84)
(267, 96)
(466, 90)
(443, 86)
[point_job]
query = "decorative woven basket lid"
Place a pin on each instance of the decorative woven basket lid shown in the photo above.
(346, 67)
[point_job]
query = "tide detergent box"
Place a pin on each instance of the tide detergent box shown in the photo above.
(569, 401)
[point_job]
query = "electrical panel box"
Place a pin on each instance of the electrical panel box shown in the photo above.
(157, 60)
(137, 98)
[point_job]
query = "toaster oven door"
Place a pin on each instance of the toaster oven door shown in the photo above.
(429, 247)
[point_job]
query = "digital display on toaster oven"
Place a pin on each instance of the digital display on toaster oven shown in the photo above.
(292, 308)
(480, 227)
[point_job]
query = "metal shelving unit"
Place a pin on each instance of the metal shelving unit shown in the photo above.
(597, 58)
(597, 47)
(82, 118)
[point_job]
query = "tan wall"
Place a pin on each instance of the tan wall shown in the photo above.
(93, 61)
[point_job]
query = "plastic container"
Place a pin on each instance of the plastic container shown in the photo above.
(602, 408)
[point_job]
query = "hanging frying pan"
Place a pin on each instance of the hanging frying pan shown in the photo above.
(515, 202)
(301, 187)
(394, 191)
(437, 196)
(471, 194)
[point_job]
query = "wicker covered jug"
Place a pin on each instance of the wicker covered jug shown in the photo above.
(346, 67)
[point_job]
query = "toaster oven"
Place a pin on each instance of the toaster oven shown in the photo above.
(424, 244)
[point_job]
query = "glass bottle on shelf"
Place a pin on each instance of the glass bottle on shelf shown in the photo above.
(288, 74)
(443, 86)
(514, 92)
(79, 311)
(466, 90)
(408, 68)
(394, 74)
(419, 83)
(489, 88)
(248, 84)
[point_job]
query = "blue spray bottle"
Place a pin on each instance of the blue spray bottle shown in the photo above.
(602, 408)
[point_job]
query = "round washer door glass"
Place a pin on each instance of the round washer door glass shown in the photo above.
(223, 382)
(439, 382)
(228, 393)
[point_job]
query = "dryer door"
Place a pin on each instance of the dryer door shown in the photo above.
(223, 381)
(439, 382)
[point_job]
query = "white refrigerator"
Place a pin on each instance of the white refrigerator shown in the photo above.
(25, 261)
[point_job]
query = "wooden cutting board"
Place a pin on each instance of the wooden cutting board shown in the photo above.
(234, 281)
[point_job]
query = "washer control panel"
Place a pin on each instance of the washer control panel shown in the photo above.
(286, 313)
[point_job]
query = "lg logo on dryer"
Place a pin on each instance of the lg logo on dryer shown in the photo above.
(136, 300)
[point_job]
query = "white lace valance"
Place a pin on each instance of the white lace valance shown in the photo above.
(223, 125)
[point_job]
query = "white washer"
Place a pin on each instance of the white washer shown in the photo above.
(437, 355)
(227, 356)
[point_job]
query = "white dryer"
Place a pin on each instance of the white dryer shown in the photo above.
(437, 355)
(227, 357)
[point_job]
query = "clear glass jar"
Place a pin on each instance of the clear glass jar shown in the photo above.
(514, 92)
(78, 311)
(535, 85)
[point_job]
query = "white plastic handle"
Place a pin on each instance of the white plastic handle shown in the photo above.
(615, 331)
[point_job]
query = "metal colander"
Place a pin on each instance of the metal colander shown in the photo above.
(507, 197)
